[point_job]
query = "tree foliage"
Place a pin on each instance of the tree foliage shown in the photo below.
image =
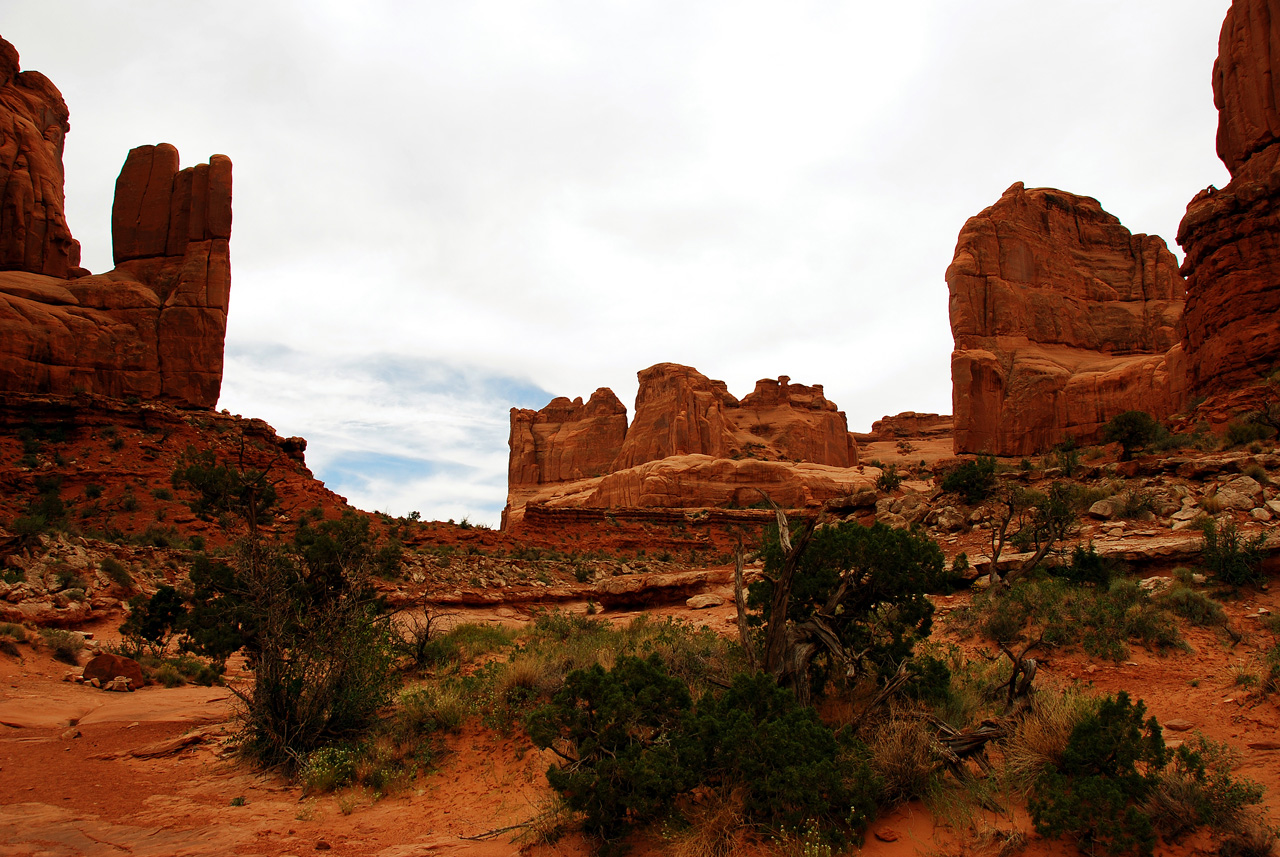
(1133, 430)
(974, 480)
(845, 598)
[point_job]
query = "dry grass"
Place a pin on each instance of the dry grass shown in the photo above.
(1042, 735)
(903, 756)
(716, 828)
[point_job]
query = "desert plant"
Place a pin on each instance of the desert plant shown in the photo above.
(889, 478)
(1108, 769)
(1133, 430)
(116, 571)
(153, 620)
(1229, 556)
(1196, 607)
(65, 645)
(845, 599)
(974, 480)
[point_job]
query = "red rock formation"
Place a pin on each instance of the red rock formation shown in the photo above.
(1244, 90)
(796, 421)
(1062, 319)
(908, 424)
(692, 444)
(154, 326)
(679, 411)
(564, 442)
(34, 123)
(1232, 236)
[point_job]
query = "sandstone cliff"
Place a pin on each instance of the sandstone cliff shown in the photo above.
(1232, 236)
(692, 444)
(154, 326)
(1062, 319)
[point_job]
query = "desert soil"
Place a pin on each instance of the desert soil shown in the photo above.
(85, 772)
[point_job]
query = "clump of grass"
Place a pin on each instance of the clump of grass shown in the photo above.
(1196, 607)
(903, 757)
(64, 645)
(116, 571)
(1041, 736)
(10, 636)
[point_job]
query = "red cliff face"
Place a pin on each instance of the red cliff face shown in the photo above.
(154, 326)
(1062, 319)
(692, 444)
(1232, 236)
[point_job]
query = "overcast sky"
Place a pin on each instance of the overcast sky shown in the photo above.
(446, 208)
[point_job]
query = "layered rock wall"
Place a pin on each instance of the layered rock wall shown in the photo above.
(692, 445)
(154, 326)
(1062, 319)
(1232, 236)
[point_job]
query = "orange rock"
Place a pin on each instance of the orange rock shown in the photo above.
(1062, 319)
(154, 326)
(1244, 89)
(34, 235)
(1232, 236)
(105, 667)
(692, 444)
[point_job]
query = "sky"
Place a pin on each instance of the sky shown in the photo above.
(447, 208)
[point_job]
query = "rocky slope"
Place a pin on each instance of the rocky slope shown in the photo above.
(153, 327)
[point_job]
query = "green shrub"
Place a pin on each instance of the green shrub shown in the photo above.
(974, 480)
(889, 478)
(1101, 620)
(1087, 566)
(1133, 430)
(153, 619)
(1229, 556)
(1197, 789)
(1108, 770)
(1245, 431)
(1067, 457)
(93, 491)
(168, 675)
(424, 710)
(329, 768)
(65, 645)
(1196, 607)
(623, 724)
(115, 570)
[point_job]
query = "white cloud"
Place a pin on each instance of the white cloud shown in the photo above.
(568, 191)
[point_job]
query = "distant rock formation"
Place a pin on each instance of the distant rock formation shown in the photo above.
(154, 326)
(692, 444)
(1062, 319)
(908, 425)
(1232, 236)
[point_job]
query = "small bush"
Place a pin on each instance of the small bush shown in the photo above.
(329, 768)
(168, 675)
(889, 479)
(1258, 473)
(1134, 431)
(1242, 432)
(93, 491)
(1096, 794)
(1229, 556)
(65, 645)
(1197, 789)
(973, 480)
(424, 710)
(1196, 607)
(115, 570)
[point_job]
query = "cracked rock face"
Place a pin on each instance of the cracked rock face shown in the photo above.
(152, 327)
(1062, 320)
(1232, 235)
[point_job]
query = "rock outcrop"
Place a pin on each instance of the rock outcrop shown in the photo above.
(1232, 236)
(692, 444)
(154, 326)
(1062, 319)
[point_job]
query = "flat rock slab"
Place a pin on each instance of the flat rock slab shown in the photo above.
(179, 705)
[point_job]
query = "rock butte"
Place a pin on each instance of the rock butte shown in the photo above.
(153, 327)
(1062, 319)
(692, 444)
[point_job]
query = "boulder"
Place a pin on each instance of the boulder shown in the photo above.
(1062, 319)
(106, 667)
(702, 602)
(154, 326)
